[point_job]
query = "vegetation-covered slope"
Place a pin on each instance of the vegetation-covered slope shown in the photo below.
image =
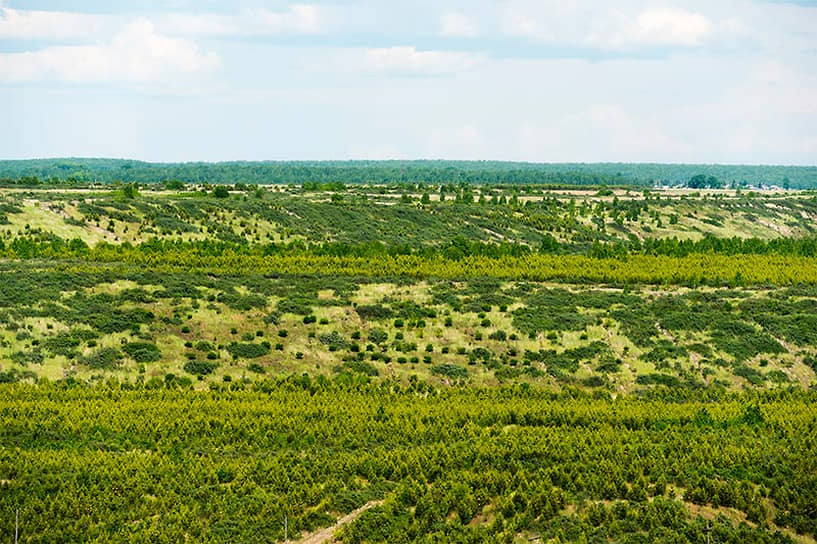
(112, 464)
(449, 363)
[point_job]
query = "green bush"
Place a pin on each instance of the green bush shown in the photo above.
(199, 368)
(450, 370)
(247, 350)
(658, 379)
(378, 336)
(142, 352)
(102, 359)
(204, 345)
(374, 311)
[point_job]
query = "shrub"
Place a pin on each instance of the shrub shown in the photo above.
(142, 352)
(374, 311)
(750, 374)
(102, 359)
(378, 336)
(204, 345)
(274, 317)
(199, 368)
(247, 350)
(333, 340)
(295, 306)
(593, 381)
(62, 344)
(450, 370)
(118, 320)
(664, 350)
(658, 379)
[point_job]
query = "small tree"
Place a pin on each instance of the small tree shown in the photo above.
(130, 191)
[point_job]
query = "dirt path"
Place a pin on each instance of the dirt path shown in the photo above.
(325, 535)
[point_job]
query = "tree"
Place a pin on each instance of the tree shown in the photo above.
(701, 181)
(221, 192)
(130, 191)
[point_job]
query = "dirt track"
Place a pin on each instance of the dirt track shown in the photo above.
(325, 535)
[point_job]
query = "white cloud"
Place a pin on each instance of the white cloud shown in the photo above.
(198, 24)
(297, 19)
(410, 61)
(457, 25)
(136, 53)
(21, 24)
(669, 26)
(617, 26)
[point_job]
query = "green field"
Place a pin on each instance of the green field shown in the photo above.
(424, 362)
(90, 323)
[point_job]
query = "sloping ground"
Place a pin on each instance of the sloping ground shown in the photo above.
(736, 516)
(326, 535)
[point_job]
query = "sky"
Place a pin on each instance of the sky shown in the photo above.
(726, 81)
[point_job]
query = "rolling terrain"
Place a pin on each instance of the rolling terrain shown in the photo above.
(407, 363)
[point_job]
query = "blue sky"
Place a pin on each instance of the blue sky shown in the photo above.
(732, 81)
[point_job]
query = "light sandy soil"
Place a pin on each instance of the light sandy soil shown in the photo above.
(325, 535)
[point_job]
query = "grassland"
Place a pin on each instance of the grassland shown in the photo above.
(442, 364)
(365, 214)
(211, 329)
(696, 321)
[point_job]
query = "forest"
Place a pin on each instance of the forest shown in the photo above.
(483, 354)
(132, 463)
(80, 170)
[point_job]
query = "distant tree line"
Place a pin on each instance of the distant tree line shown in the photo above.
(77, 171)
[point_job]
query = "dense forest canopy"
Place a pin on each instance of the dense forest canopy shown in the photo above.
(82, 170)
